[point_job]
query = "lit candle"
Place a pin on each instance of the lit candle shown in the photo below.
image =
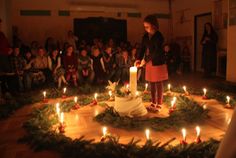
(146, 86)
(228, 102)
(198, 139)
(104, 131)
(133, 80)
(147, 133)
(96, 112)
(58, 109)
(75, 100)
(169, 86)
(44, 97)
(62, 118)
(174, 99)
(127, 87)
(44, 94)
(184, 133)
(110, 93)
(185, 91)
(64, 93)
(64, 90)
(104, 134)
(95, 96)
(62, 123)
(171, 110)
(204, 93)
(137, 93)
(227, 99)
(95, 99)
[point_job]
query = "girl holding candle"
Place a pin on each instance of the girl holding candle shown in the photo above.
(156, 69)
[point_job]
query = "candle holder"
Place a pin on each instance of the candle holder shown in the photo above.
(228, 106)
(171, 110)
(45, 100)
(204, 97)
(62, 127)
(198, 140)
(183, 142)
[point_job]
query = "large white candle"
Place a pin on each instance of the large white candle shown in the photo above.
(133, 80)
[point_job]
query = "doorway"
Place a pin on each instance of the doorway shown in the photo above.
(199, 21)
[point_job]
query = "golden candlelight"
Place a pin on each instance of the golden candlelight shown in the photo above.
(136, 93)
(64, 90)
(44, 94)
(146, 86)
(104, 131)
(127, 87)
(185, 88)
(169, 86)
(110, 93)
(198, 130)
(62, 118)
(227, 99)
(204, 91)
(58, 109)
(75, 99)
(147, 133)
(172, 104)
(184, 133)
(95, 96)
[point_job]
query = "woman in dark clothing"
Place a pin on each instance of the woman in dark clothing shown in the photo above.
(209, 40)
(156, 69)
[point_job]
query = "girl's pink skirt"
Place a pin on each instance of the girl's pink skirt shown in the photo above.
(156, 73)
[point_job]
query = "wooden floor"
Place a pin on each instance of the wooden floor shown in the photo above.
(81, 122)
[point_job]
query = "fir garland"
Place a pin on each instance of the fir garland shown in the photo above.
(42, 134)
(187, 111)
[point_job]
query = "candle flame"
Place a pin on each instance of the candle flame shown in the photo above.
(228, 99)
(147, 133)
(110, 93)
(133, 69)
(172, 103)
(95, 96)
(136, 93)
(44, 94)
(146, 86)
(96, 112)
(64, 90)
(104, 131)
(198, 130)
(185, 89)
(127, 86)
(184, 133)
(62, 117)
(204, 91)
(76, 99)
(169, 86)
(58, 109)
(174, 99)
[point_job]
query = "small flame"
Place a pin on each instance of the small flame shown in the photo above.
(146, 86)
(147, 133)
(58, 109)
(204, 91)
(76, 99)
(184, 88)
(184, 133)
(169, 86)
(64, 90)
(110, 93)
(172, 103)
(44, 94)
(198, 130)
(104, 131)
(137, 93)
(62, 117)
(95, 96)
(228, 99)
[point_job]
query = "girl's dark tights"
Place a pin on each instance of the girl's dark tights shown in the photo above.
(157, 92)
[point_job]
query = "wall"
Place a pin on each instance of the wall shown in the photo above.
(40, 27)
(5, 16)
(190, 8)
(231, 54)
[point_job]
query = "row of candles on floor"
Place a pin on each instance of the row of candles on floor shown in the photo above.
(148, 137)
(111, 97)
